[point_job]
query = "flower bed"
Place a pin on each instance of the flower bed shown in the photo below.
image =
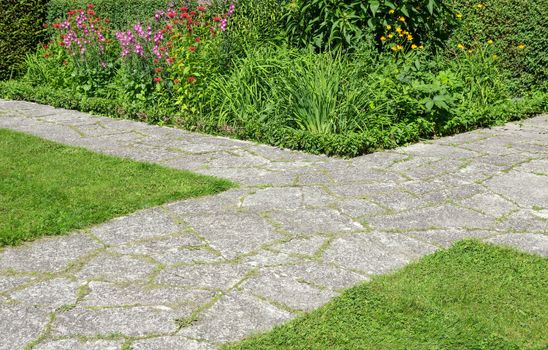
(268, 71)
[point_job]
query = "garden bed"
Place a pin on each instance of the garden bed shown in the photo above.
(294, 76)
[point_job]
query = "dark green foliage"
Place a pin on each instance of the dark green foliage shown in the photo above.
(509, 23)
(254, 23)
(21, 29)
(332, 24)
(121, 13)
(471, 296)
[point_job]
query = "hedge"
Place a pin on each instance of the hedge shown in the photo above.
(509, 23)
(21, 29)
(120, 12)
(345, 145)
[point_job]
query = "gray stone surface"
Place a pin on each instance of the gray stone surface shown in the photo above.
(174, 342)
(52, 254)
(139, 226)
(134, 321)
(529, 242)
(375, 253)
(102, 294)
(20, 325)
(235, 316)
(299, 229)
(75, 344)
(217, 276)
(49, 294)
(116, 269)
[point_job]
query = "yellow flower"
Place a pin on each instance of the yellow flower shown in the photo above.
(480, 6)
(489, 41)
(410, 37)
(421, 47)
(521, 46)
(458, 15)
(391, 11)
(401, 19)
(495, 57)
(398, 30)
(388, 27)
(383, 38)
(460, 46)
(414, 46)
(390, 36)
(396, 48)
(470, 51)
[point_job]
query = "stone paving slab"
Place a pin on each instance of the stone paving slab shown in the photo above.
(197, 273)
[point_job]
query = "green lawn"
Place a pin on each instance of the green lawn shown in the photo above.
(471, 296)
(50, 189)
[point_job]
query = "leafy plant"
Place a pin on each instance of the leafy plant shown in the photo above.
(328, 24)
(21, 29)
(518, 31)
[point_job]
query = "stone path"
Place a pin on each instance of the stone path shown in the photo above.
(198, 273)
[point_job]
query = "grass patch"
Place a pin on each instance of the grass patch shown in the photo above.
(49, 189)
(471, 296)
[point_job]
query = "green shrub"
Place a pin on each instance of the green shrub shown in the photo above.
(255, 23)
(509, 23)
(121, 13)
(21, 30)
(326, 103)
(344, 23)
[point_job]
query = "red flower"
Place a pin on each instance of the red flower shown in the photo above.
(198, 39)
(170, 60)
(46, 55)
(171, 14)
(184, 9)
(176, 81)
(191, 79)
(107, 20)
(217, 19)
(192, 49)
(157, 79)
(201, 8)
(90, 6)
(91, 12)
(56, 25)
(65, 62)
(193, 13)
(158, 69)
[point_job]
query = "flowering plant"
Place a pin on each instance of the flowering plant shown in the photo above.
(84, 41)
